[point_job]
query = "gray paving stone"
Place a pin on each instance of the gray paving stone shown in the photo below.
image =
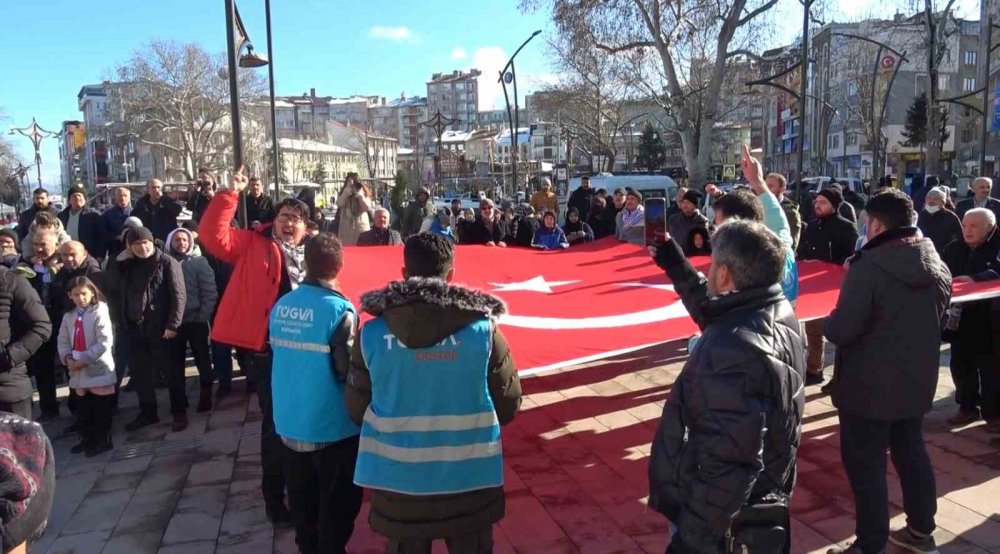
(99, 511)
(210, 472)
(130, 465)
(189, 526)
(119, 481)
(148, 513)
(133, 543)
(166, 473)
(83, 543)
(196, 547)
(260, 539)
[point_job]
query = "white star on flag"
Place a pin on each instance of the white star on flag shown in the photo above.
(535, 284)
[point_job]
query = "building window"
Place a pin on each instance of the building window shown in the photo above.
(834, 141)
(970, 57)
(943, 82)
(852, 89)
(968, 84)
(851, 139)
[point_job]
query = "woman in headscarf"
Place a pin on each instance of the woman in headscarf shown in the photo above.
(577, 231)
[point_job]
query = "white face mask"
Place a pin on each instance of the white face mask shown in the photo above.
(931, 209)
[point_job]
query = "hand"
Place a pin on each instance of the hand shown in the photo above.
(712, 190)
(491, 243)
(239, 180)
(254, 225)
(963, 279)
(168, 334)
(502, 244)
(752, 171)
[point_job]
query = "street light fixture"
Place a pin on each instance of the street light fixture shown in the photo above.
(510, 77)
(36, 134)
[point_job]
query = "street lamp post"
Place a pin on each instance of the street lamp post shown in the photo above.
(510, 77)
(438, 122)
(274, 117)
(36, 134)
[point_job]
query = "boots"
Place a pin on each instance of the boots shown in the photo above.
(205, 400)
(81, 446)
(99, 445)
(180, 422)
(147, 416)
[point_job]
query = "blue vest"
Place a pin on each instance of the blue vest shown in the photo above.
(308, 399)
(431, 427)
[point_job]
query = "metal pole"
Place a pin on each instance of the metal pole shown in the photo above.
(274, 117)
(804, 65)
(986, 51)
(234, 100)
(876, 129)
(510, 123)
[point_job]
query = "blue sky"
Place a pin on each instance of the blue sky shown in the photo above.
(338, 47)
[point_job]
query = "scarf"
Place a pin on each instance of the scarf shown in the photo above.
(79, 337)
(632, 218)
(295, 261)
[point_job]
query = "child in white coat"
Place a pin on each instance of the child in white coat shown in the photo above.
(85, 347)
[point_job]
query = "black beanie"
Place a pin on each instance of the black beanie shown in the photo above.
(834, 196)
(142, 233)
(692, 196)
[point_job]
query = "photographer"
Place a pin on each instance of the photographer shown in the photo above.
(201, 193)
(354, 205)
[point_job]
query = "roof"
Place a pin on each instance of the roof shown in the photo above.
(523, 136)
(91, 90)
(415, 101)
(304, 145)
(455, 136)
(454, 76)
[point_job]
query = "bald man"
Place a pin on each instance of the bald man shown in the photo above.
(77, 262)
(157, 211)
(980, 188)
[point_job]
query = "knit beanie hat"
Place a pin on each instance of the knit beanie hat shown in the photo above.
(833, 195)
(77, 189)
(632, 192)
(9, 233)
(27, 480)
(141, 233)
(692, 196)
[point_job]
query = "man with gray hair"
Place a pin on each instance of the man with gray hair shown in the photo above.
(981, 198)
(972, 326)
(937, 222)
(730, 429)
(380, 234)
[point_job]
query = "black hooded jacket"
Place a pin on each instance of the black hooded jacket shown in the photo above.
(828, 239)
(24, 328)
(731, 426)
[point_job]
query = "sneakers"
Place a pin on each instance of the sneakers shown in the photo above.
(913, 542)
(205, 400)
(814, 378)
(180, 422)
(852, 548)
(964, 417)
(140, 422)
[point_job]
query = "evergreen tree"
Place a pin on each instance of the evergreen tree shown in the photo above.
(320, 174)
(915, 127)
(397, 197)
(652, 152)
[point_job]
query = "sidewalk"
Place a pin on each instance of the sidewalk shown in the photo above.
(575, 475)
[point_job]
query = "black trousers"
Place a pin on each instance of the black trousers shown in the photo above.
(21, 407)
(323, 497)
(272, 450)
(479, 542)
(976, 373)
(95, 416)
(194, 334)
(150, 356)
(863, 443)
(122, 356)
(42, 365)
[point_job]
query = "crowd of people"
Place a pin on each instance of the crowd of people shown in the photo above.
(94, 297)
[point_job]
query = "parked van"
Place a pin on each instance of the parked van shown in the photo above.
(649, 186)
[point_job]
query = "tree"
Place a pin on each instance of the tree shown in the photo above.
(397, 197)
(916, 129)
(320, 174)
(684, 54)
(940, 26)
(172, 97)
(652, 152)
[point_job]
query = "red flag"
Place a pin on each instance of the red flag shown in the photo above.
(585, 303)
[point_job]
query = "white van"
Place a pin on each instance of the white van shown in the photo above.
(649, 186)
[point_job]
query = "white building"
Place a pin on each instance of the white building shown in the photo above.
(302, 157)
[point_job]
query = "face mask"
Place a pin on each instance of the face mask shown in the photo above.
(931, 209)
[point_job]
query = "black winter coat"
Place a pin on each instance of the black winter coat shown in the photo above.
(581, 200)
(976, 324)
(91, 269)
(829, 239)
(477, 233)
(198, 203)
(942, 227)
(992, 204)
(521, 231)
(24, 328)
(160, 218)
(162, 304)
(731, 426)
(887, 328)
(90, 231)
(259, 209)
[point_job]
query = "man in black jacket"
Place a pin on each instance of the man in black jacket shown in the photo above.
(77, 262)
(201, 194)
(380, 234)
(24, 328)
(113, 221)
(83, 224)
(581, 198)
(973, 354)
(157, 212)
(827, 238)
(937, 222)
(40, 203)
(897, 281)
(260, 207)
(981, 198)
(152, 299)
(487, 229)
(732, 423)
(41, 267)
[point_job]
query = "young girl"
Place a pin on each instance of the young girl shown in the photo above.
(85, 346)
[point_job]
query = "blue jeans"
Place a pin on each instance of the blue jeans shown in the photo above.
(222, 361)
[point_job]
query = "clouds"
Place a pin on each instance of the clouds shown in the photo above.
(490, 60)
(459, 54)
(396, 34)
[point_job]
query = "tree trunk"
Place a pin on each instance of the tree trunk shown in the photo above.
(933, 160)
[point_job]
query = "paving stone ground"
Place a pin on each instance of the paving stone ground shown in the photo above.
(575, 461)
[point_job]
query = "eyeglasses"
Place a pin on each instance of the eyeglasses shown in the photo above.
(486, 209)
(286, 218)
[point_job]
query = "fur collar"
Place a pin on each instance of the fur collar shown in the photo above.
(421, 290)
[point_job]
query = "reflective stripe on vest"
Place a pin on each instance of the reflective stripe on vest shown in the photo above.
(431, 427)
(308, 401)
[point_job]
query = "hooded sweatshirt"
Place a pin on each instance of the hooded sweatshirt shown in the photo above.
(199, 280)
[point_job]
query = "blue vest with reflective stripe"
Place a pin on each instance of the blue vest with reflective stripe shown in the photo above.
(431, 427)
(308, 399)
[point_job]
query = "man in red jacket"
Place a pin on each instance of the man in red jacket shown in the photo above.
(267, 263)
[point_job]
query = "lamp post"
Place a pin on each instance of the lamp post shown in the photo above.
(438, 122)
(274, 118)
(237, 39)
(36, 134)
(510, 77)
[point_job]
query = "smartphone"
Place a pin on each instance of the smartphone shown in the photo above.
(656, 220)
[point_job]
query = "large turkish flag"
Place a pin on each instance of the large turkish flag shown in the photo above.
(585, 303)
